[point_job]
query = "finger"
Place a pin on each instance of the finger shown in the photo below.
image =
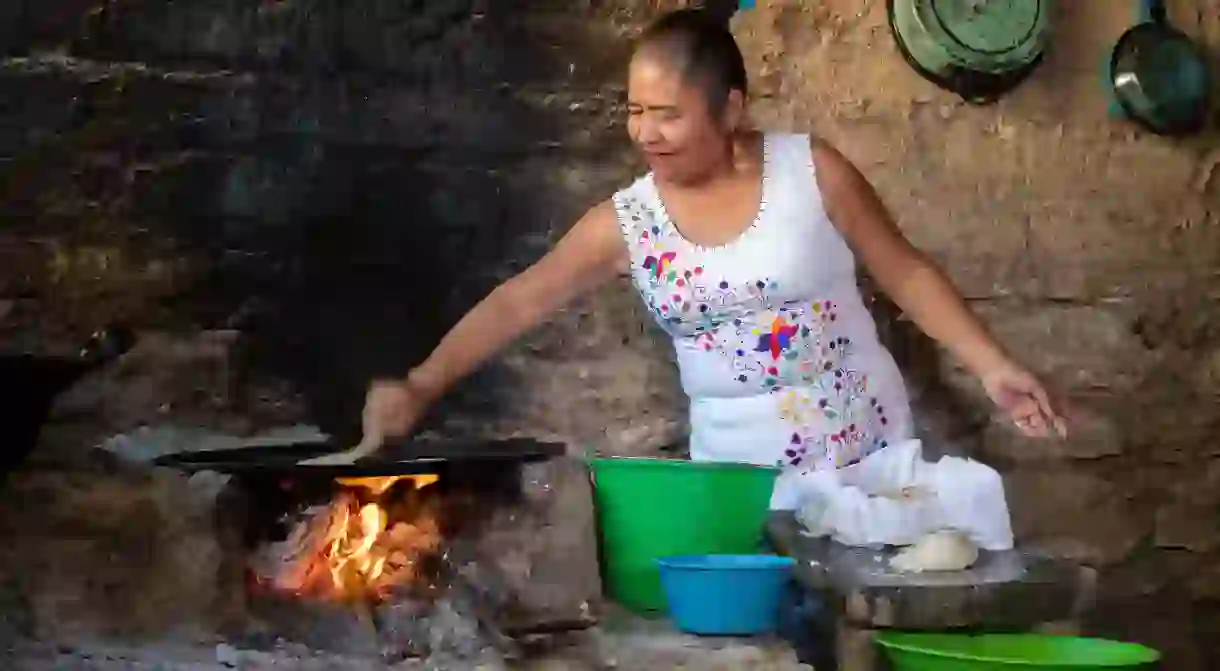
(1008, 399)
(1047, 408)
(1031, 426)
(1060, 426)
(372, 430)
(1022, 406)
(368, 445)
(1032, 402)
(1029, 417)
(1037, 426)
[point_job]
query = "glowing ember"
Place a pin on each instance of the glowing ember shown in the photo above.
(353, 547)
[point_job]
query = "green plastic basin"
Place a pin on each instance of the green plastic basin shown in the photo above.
(653, 508)
(1031, 652)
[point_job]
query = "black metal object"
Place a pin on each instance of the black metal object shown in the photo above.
(1161, 77)
(31, 383)
(409, 458)
(973, 86)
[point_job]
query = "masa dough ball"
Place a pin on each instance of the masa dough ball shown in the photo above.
(940, 551)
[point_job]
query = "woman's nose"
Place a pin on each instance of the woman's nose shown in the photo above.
(647, 131)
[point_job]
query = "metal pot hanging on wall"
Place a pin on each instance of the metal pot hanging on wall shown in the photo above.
(1159, 77)
(978, 49)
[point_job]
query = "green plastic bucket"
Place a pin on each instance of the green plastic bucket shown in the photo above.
(1027, 652)
(653, 508)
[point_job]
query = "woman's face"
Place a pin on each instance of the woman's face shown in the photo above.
(670, 122)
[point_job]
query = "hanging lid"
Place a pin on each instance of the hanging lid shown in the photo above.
(988, 32)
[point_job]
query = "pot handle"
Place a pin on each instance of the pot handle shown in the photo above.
(1153, 11)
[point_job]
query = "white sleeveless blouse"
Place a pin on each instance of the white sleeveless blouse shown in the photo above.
(777, 352)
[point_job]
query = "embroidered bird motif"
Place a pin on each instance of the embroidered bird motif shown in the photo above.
(778, 339)
(658, 264)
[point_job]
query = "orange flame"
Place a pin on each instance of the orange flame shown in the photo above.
(351, 549)
(379, 485)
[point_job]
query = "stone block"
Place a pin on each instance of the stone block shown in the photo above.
(1205, 585)
(1209, 373)
(1190, 520)
(1079, 348)
(1149, 574)
(126, 554)
(537, 560)
(1075, 515)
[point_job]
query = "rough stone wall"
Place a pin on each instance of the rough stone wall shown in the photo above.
(1090, 247)
(338, 181)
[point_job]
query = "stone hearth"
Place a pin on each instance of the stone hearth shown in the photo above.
(507, 549)
(113, 563)
(123, 568)
(126, 551)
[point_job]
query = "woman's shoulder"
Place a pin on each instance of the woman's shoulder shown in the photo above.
(786, 137)
(790, 148)
(806, 140)
(633, 206)
(637, 192)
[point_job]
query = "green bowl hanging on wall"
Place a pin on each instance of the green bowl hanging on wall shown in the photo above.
(978, 49)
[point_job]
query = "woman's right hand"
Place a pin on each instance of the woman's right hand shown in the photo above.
(392, 409)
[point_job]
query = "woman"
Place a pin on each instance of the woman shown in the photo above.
(743, 245)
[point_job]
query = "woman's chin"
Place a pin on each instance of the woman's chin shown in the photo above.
(666, 171)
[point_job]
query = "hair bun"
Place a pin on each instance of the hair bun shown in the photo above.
(721, 11)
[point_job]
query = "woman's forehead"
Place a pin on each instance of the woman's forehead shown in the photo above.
(654, 81)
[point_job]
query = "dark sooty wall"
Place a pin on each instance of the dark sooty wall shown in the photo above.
(339, 180)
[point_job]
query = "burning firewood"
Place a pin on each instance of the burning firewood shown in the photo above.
(354, 548)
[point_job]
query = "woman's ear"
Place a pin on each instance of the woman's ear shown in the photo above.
(734, 111)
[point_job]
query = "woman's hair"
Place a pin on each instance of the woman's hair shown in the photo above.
(703, 50)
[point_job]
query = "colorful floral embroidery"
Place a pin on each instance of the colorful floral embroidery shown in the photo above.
(794, 349)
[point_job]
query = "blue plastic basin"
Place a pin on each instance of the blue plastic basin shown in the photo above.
(725, 595)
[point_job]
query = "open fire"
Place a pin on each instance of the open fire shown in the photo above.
(371, 540)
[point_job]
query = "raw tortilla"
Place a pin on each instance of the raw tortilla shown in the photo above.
(940, 551)
(342, 458)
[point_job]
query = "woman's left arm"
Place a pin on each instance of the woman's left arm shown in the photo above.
(919, 287)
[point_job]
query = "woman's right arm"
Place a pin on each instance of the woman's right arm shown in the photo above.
(587, 256)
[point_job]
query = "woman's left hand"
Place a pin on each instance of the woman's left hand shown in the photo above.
(1021, 395)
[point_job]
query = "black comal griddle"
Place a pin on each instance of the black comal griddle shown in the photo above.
(414, 457)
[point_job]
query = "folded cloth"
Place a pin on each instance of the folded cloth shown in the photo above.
(971, 500)
(894, 497)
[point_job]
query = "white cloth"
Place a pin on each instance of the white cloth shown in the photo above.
(894, 497)
(777, 352)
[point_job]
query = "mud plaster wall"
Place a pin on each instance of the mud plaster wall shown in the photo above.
(338, 184)
(1093, 251)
